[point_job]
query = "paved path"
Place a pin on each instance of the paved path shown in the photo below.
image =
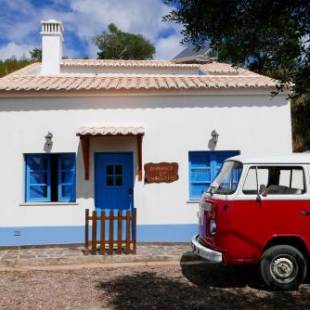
(74, 255)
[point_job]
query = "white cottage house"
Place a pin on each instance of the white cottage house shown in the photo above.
(78, 134)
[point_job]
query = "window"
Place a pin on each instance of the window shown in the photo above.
(227, 181)
(250, 185)
(275, 180)
(203, 168)
(50, 177)
(114, 175)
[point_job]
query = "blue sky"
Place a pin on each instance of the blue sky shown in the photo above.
(20, 24)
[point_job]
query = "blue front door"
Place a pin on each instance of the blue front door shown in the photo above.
(114, 181)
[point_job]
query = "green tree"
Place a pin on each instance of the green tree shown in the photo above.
(36, 54)
(300, 122)
(12, 64)
(116, 44)
(271, 36)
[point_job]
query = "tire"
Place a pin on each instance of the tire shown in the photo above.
(283, 267)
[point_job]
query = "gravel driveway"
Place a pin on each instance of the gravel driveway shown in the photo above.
(164, 286)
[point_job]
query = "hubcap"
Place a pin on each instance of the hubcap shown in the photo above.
(284, 269)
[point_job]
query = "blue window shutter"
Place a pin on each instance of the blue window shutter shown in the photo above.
(38, 178)
(199, 173)
(66, 177)
(203, 168)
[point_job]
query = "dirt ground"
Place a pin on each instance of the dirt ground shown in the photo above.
(165, 286)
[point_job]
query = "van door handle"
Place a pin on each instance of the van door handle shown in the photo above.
(305, 212)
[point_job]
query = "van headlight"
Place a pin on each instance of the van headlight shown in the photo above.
(212, 227)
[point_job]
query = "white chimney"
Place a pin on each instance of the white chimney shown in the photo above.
(52, 38)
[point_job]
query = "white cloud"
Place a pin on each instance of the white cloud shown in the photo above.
(17, 32)
(92, 50)
(87, 18)
(18, 21)
(168, 48)
(137, 16)
(14, 50)
(22, 6)
(71, 52)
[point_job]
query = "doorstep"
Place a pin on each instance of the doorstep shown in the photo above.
(74, 255)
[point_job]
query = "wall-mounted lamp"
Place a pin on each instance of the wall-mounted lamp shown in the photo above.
(48, 139)
(215, 136)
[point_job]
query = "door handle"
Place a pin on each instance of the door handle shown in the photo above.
(305, 212)
(130, 191)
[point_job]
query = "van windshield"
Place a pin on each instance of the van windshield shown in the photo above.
(228, 178)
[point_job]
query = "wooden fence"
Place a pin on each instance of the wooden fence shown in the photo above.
(107, 243)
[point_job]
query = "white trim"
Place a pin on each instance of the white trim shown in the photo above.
(292, 159)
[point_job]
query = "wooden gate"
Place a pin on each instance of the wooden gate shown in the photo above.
(106, 242)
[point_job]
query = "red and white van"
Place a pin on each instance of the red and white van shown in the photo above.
(257, 210)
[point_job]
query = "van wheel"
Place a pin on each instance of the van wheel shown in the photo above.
(283, 267)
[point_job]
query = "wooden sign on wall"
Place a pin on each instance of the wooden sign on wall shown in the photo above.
(161, 172)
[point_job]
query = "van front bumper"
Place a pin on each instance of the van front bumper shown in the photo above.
(204, 252)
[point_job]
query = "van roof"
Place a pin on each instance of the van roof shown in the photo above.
(294, 158)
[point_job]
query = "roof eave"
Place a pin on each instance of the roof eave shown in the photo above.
(139, 92)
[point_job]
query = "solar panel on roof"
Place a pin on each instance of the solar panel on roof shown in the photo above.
(191, 50)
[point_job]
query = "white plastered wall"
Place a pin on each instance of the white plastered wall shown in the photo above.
(174, 125)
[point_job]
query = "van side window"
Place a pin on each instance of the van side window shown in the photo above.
(275, 180)
(250, 186)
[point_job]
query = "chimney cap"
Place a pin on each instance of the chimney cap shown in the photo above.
(51, 21)
(52, 26)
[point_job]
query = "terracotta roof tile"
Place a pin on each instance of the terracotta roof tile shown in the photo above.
(213, 75)
(69, 83)
(213, 67)
(124, 63)
(110, 131)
